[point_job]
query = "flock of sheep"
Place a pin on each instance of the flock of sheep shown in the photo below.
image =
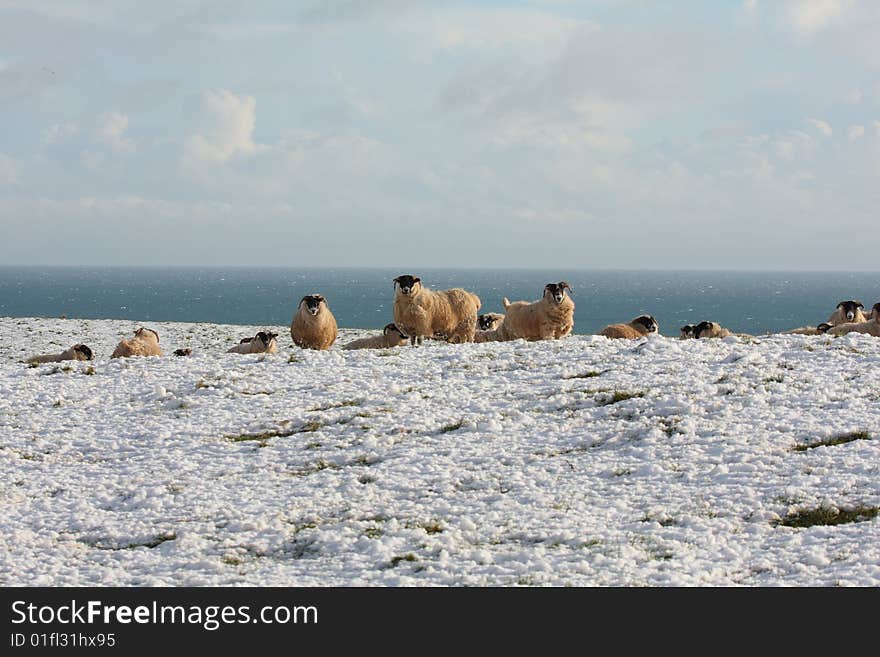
(452, 315)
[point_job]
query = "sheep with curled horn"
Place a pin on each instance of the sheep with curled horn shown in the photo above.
(549, 318)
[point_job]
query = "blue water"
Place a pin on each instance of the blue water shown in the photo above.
(752, 302)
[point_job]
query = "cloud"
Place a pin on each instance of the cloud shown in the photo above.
(811, 16)
(822, 127)
(60, 132)
(227, 130)
(855, 133)
(9, 170)
(111, 132)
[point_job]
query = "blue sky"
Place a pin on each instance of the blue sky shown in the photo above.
(628, 134)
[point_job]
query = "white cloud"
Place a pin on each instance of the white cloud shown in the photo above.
(855, 133)
(821, 126)
(228, 129)
(9, 170)
(60, 132)
(111, 132)
(811, 16)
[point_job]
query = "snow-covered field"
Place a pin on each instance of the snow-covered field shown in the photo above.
(579, 462)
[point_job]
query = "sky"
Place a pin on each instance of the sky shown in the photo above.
(627, 134)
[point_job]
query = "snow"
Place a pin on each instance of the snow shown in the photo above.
(482, 464)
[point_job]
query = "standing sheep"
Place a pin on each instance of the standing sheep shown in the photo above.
(419, 312)
(313, 325)
(391, 337)
(144, 343)
(76, 352)
(262, 343)
(549, 318)
(641, 326)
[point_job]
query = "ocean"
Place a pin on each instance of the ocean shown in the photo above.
(750, 302)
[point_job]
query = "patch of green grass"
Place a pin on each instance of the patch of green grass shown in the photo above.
(455, 426)
(294, 359)
(232, 561)
(840, 439)
(400, 558)
(776, 378)
(149, 543)
(826, 516)
(89, 371)
(373, 532)
(341, 404)
(585, 375)
(619, 396)
(263, 437)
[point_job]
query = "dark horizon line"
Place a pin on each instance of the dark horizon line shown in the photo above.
(448, 267)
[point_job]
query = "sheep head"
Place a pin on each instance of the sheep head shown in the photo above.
(408, 283)
(313, 303)
(556, 291)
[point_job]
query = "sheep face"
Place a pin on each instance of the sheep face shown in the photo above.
(849, 308)
(556, 291)
(688, 331)
(408, 284)
(142, 333)
(391, 329)
(488, 322)
(266, 338)
(313, 303)
(83, 352)
(650, 324)
(702, 326)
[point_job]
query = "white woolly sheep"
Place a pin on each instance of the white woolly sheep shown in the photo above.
(144, 343)
(76, 352)
(391, 337)
(640, 327)
(262, 343)
(870, 326)
(549, 318)
(313, 325)
(447, 314)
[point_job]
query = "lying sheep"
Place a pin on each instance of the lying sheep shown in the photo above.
(640, 327)
(313, 325)
(488, 326)
(848, 312)
(686, 332)
(821, 329)
(710, 330)
(391, 337)
(262, 343)
(76, 352)
(447, 314)
(551, 317)
(144, 343)
(870, 326)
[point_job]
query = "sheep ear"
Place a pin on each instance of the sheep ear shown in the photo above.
(859, 304)
(417, 280)
(396, 282)
(303, 300)
(840, 305)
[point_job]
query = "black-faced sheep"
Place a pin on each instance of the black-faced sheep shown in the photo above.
(313, 325)
(391, 337)
(640, 327)
(686, 332)
(551, 317)
(869, 326)
(144, 343)
(447, 314)
(262, 343)
(710, 330)
(76, 352)
(488, 326)
(848, 312)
